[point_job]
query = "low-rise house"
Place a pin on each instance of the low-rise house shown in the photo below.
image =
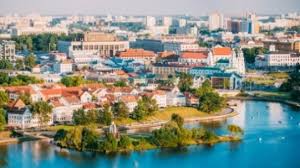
(63, 108)
(65, 66)
(160, 97)
(20, 116)
(174, 96)
(130, 101)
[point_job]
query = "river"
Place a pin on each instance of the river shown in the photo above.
(271, 139)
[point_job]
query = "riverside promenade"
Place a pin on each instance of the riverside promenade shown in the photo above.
(225, 113)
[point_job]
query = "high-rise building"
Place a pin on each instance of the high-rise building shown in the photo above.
(7, 50)
(253, 25)
(216, 21)
(167, 21)
(150, 21)
(182, 22)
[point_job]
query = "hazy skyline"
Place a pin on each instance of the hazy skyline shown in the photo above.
(144, 7)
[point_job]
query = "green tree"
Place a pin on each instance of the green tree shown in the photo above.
(120, 84)
(74, 138)
(125, 143)
(89, 139)
(72, 80)
(30, 61)
(2, 119)
(6, 64)
(146, 106)
(205, 88)
(120, 110)
(3, 98)
(211, 102)
(185, 82)
(60, 137)
(105, 116)
(43, 111)
(4, 78)
(79, 117)
(19, 64)
(178, 119)
(234, 129)
(110, 144)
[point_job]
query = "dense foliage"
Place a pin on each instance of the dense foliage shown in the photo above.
(172, 134)
(292, 85)
(120, 110)
(146, 106)
(251, 53)
(6, 80)
(209, 100)
(2, 119)
(81, 117)
(185, 82)
(72, 80)
(42, 42)
(43, 111)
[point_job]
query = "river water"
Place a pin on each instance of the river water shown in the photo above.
(271, 139)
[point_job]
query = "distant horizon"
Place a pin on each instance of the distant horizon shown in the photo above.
(148, 7)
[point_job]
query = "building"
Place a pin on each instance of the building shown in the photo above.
(231, 81)
(164, 69)
(167, 21)
(7, 50)
(277, 59)
(150, 21)
(65, 66)
(283, 45)
(216, 21)
(178, 47)
(20, 116)
(94, 43)
(204, 71)
(193, 57)
(139, 55)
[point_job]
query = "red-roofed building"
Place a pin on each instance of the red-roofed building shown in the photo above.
(137, 55)
(193, 57)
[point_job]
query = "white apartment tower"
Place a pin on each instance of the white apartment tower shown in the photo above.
(167, 21)
(150, 21)
(216, 21)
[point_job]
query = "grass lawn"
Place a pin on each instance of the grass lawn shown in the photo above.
(283, 95)
(58, 127)
(185, 112)
(269, 78)
(124, 121)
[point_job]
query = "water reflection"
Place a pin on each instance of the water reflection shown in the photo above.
(259, 119)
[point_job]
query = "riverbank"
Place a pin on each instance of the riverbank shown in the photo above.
(224, 114)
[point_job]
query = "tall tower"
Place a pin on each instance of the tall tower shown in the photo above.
(216, 21)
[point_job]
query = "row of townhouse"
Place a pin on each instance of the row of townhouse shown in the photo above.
(67, 99)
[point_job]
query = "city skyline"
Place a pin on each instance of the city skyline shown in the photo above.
(142, 7)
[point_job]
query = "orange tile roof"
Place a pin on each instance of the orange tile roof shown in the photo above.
(89, 106)
(20, 89)
(128, 98)
(136, 53)
(18, 104)
(193, 55)
(221, 51)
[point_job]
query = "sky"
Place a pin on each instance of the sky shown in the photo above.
(148, 7)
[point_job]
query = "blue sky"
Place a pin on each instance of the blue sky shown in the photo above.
(143, 7)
